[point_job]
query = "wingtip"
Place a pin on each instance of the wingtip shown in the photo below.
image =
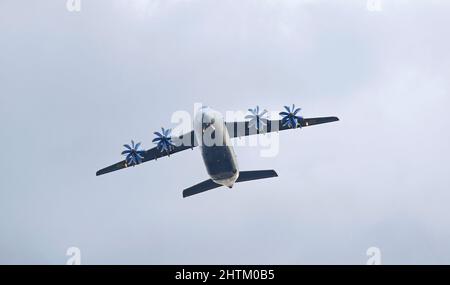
(274, 173)
(185, 194)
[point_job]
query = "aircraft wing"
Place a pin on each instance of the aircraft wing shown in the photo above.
(240, 129)
(183, 142)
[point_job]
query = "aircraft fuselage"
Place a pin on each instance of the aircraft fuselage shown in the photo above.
(215, 146)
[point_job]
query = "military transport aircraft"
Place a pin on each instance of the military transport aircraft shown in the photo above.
(214, 135)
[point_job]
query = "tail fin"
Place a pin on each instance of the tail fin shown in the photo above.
(243, 176)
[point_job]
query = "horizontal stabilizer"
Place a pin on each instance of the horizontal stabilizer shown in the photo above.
(243, 176)
(199, 188)
(255, 175)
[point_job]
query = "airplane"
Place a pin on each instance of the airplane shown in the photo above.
(214, 135)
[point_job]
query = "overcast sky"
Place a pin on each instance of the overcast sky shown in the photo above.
(75, 86)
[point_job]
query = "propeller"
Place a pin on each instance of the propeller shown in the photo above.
(257, 119)
(163, 140)
(290, 117)
(134, 155)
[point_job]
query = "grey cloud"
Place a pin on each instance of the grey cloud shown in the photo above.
(75, 86)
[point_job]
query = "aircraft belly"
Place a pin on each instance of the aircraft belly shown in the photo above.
(221, 164)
